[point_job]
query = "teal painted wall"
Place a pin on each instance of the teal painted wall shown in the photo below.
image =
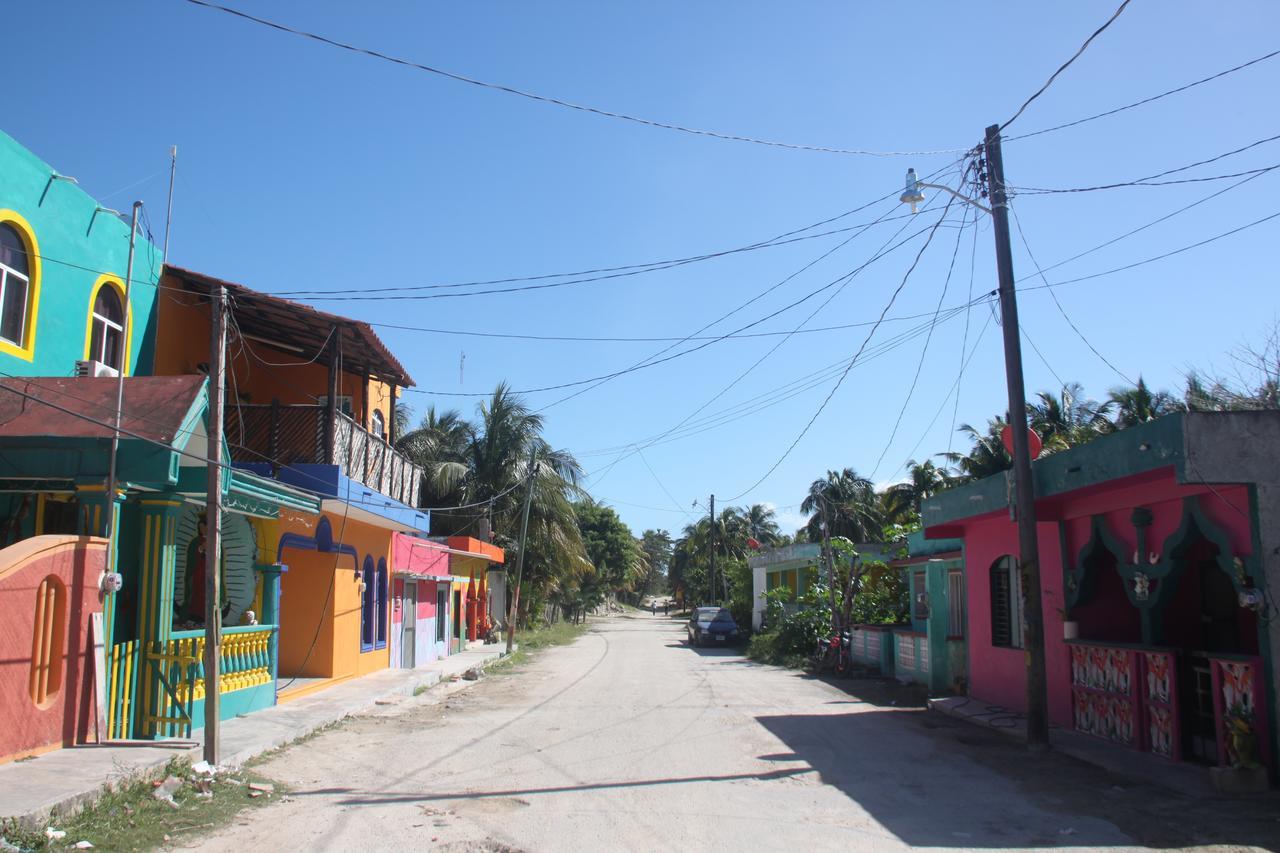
(75, 248)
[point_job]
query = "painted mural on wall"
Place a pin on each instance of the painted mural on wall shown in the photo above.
(1236, 705)
(239, 551)
(1160, 695)
(1102, 692)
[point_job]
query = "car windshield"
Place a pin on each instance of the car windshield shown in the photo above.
(714, 614)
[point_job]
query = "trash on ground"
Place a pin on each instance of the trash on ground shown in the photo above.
(165, 790)
(83, 845)
(54, 834)
(264, 787)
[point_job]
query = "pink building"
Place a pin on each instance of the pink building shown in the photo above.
(1159, 546)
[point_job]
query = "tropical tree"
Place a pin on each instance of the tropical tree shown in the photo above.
(1139, 404)
(762, 525)
(987, 456)
(901, 501)
(656, 545)
(850, 505)
(1069, 418)
(483, 469)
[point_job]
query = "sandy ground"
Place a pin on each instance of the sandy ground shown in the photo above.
(628, 740)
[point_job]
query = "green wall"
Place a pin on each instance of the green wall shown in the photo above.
(75, 248)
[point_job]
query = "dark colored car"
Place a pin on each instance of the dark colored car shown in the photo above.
(712, 626)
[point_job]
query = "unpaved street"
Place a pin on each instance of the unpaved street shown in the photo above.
(627, 740)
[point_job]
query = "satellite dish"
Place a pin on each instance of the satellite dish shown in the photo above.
(1033, 441)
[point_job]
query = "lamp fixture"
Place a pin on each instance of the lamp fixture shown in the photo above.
(912, 195)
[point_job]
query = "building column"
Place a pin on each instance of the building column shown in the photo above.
(94, 507)
(270, 614)
(935, 584)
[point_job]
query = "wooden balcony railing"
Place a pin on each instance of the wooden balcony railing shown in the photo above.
(286, 435)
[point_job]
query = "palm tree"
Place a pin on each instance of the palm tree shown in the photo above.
(902, 501)
(986, 457)
(1068, 419)
(1138, 405)
(486, 463)
(850, 505)
(762, 525)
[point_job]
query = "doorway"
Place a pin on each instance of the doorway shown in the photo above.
(457, 620)
(409, 625)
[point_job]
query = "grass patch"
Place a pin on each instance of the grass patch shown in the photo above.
(535, 639)
(129, 817)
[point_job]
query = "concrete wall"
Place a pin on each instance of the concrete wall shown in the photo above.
(66, 716)
(71, 252)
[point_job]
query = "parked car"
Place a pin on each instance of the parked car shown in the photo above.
(712, 626)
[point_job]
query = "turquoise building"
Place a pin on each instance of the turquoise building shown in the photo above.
(63, 259)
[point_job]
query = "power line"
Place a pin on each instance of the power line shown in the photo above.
(1061, 68)
(733, 383)
(690, 350)
(893, 298)
(731, 312)
(783, 239)
(1159, 257)
(1022, 235)
(1146, 100)
(510, 90)
(1150, 180)
(924, 351)
(1026, 336)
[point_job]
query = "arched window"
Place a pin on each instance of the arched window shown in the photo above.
(1006, 604)
(379, 424)
(368, 605)
(50, 631)
(15, 286)
(106, 334)
(381, 604)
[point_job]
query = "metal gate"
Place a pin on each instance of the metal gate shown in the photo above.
(409, 625)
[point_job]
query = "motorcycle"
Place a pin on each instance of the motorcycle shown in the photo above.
(836, 653)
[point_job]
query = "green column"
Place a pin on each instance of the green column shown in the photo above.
(157, 551)
(270, 614)
(94, 507)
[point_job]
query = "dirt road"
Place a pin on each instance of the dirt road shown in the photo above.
(628, 740)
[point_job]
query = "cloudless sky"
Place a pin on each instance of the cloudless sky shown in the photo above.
(306, 167)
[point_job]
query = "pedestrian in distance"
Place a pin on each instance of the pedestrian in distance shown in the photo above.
(653, 608)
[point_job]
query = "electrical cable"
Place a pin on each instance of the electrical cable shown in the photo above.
(867, 340)
(510, 90)
(769, 353)
(1145, 100)
(1021, 235)
(964, 342)
(701, 346)
(1150, 180)
(1026, 336)
(1061, 68)
(1159, 257)
(783, 239)
(924, 352)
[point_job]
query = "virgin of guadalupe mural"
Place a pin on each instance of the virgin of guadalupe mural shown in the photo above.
(239, 550)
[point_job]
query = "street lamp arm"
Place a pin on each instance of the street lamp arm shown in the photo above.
(963, 198)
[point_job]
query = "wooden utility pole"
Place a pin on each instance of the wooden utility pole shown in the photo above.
(514, 610)
(711, 581)
(213, 524)
(1023, 485)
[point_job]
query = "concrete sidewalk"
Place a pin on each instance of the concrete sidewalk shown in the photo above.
(1178, 776)
(66, 780)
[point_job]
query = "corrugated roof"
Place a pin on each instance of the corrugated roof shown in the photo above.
(155, 407)
(301, 326)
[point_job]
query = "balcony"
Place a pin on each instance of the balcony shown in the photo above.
(302, 434)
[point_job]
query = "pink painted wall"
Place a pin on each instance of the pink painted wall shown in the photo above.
(998, 675)
(68, 714)
(418, 556)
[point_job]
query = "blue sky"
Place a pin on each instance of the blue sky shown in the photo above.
(304, 167)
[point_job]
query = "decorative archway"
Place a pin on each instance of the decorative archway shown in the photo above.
(239, 552)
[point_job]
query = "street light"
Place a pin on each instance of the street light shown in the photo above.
(992, 169)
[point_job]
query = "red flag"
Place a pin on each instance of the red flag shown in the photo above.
(755, 545)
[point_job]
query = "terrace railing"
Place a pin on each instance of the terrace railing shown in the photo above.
(286, 435)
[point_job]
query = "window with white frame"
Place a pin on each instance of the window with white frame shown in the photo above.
(1006, 604)
(15, 283)
(106, 334)
(378, 425)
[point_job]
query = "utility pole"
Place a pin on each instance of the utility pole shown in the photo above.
(168, 216)
(109, 515)
(524, 533)
(1023, 485)
(213, 524)
(711, 581)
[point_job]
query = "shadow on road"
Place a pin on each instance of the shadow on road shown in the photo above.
(936, 782)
